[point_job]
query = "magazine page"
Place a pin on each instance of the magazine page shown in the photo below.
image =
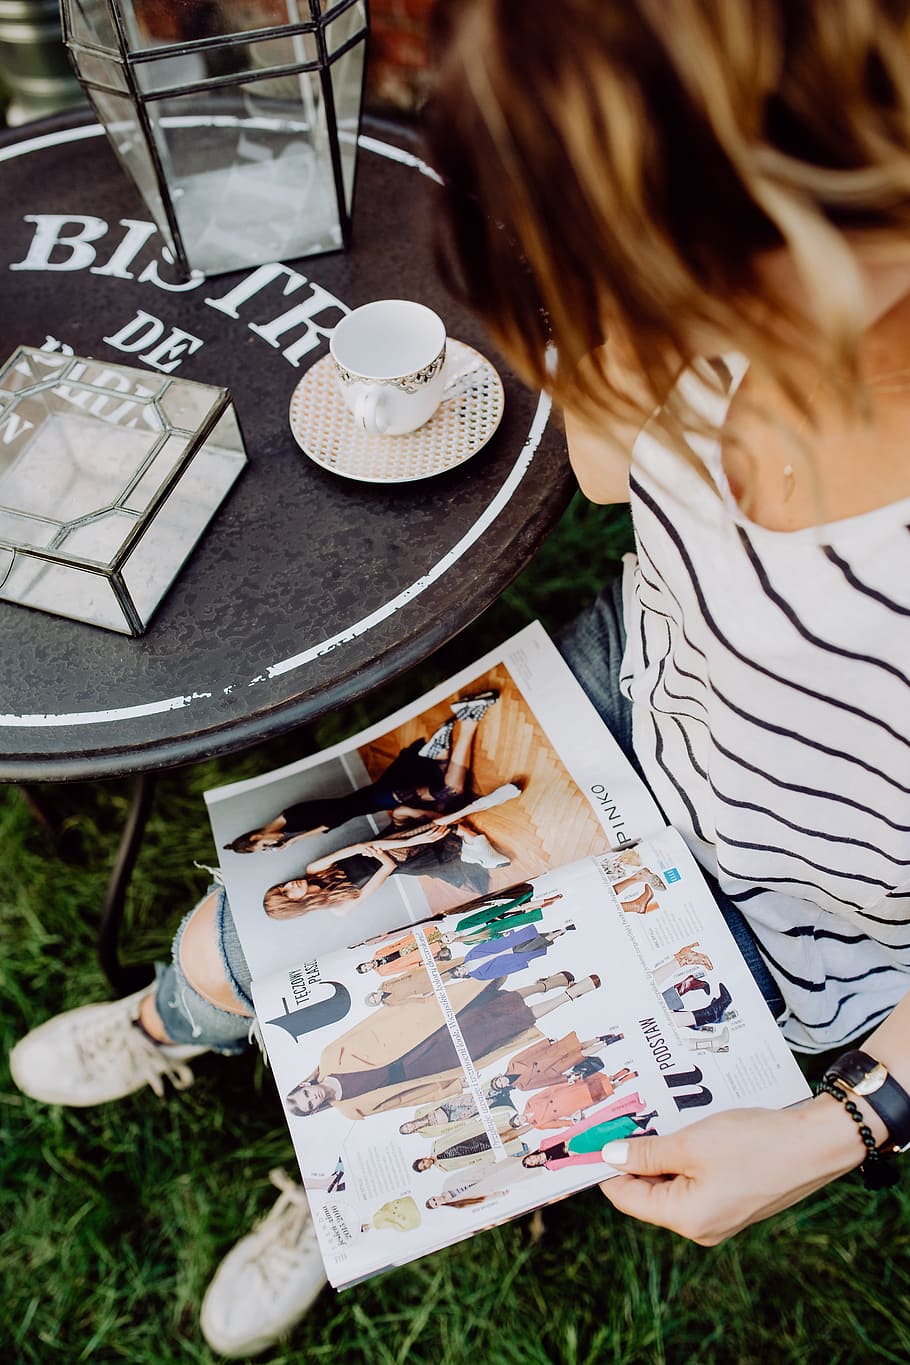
(494, 776)
(459, 1073)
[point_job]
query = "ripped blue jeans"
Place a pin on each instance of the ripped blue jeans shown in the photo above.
(593, 647)
(186, 1014)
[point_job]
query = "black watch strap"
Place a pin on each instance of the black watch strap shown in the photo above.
(862, 1075)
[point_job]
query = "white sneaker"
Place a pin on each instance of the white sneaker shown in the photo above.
(476, 848)
(268, 1279)
(97, 1053)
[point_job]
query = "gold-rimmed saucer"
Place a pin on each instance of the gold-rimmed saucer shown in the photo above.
(460, 426)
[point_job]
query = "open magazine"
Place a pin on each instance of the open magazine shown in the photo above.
(479, 956)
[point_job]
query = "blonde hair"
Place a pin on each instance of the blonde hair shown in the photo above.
(622, 166)
(327, 888)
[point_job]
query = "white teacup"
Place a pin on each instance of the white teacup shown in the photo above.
(390, 360)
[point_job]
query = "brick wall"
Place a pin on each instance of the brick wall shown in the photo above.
(397, 75)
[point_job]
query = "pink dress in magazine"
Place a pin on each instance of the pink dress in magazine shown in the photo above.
(581, 1144)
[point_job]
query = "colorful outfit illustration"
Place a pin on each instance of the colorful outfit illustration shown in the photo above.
(511, 953)
(497, 908)
(401, 1215)
(471, 1148)
(512, 919)
(404, 1057)
(581, 1144)
(415, 984)
(545, 1062)
(403, 954)
(399, 964)
(558, 1104)
(449, 1117)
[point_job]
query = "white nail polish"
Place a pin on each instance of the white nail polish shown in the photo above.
(615, 1153)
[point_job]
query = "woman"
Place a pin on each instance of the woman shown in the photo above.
(437, 848)
(352, 874)
(584, 1142)
(501, 912)
(691, 223)
(429, 774)
(689, 220)
(566, 1102)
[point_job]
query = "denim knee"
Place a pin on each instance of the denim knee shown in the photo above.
(593, 646)
(186, 1015)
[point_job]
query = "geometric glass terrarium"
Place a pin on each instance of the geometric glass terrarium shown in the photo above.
(108, 476)
(237, 120)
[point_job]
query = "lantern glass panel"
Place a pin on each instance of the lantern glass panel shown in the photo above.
(250, 172)
(343, 25)
(108, 476)
(99, 69)
(245, 59)
(154, 24)
(346, 74)
(91, 22)
(125, 133)
(229, 133)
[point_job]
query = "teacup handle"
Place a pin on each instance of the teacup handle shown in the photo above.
(369, 411)
(463, 378)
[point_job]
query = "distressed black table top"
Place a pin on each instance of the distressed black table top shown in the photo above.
(307, 590)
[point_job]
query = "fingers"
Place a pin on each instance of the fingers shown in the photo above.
(648, 1155)
(650, 1199)
(654, 1180)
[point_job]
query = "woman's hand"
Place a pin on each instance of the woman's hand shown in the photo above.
(730, 1170)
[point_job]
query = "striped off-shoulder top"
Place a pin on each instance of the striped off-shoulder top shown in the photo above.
(769, 674)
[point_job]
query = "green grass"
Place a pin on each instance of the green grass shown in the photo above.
(113, 1218)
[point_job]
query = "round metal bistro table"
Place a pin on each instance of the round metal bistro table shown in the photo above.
(307, 590)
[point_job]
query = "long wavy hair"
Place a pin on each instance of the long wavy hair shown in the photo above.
(326, 888)
(618, 167)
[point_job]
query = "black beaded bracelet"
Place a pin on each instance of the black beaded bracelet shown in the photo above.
(877, 1173)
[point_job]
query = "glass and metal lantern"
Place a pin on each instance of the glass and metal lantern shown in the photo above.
(108, 476)
(237, 120)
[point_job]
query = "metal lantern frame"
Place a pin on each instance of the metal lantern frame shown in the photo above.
(130, 59)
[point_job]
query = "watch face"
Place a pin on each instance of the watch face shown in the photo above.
(860, 1073)
(872, 1081)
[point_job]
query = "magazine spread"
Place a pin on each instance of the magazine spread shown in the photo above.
(455, 1075)
(538, 967)
(526, 777)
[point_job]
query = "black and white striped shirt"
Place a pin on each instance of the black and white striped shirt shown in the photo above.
(769, 674)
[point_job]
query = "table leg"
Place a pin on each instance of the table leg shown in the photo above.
(125, 979)
(32, 797)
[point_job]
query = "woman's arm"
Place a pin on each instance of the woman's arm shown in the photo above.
(600, 454)
(428, 835)
(386, 866)
(385, 869)
(600, 465)
(411, 813)
(330, 859)
(734, 1169)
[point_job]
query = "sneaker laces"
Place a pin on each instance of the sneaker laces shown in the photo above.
(281, 1231)
(100, 1039)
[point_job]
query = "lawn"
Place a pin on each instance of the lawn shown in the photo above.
(113, 1218)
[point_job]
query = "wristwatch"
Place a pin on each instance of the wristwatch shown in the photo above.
(862, 1075)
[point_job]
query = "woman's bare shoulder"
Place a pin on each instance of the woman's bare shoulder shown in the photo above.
(600, 463)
